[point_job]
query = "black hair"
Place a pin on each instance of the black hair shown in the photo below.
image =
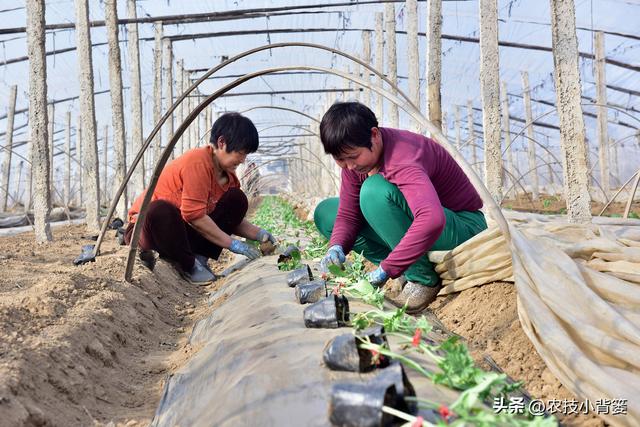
(238, 131)
(346, 125)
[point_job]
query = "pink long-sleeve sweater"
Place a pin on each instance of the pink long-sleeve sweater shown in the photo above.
(428, 177)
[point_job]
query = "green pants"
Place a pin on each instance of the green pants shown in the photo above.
(388, 218)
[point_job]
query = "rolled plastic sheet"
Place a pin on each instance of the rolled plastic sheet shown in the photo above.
(578, 291)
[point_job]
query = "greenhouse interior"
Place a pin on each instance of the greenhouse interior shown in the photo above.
(428, 208)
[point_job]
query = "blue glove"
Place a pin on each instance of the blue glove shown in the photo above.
(334, 256)
(242, 248)
(377, 277)
(263, 235)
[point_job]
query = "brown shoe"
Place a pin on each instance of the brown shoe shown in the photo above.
(416, 296)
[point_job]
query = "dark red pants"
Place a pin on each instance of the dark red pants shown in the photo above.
(166, 232)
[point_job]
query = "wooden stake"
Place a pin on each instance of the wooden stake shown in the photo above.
(105, 162)
(79, 162)
(413, 55)
(117, 105)
(366, 57)
(472, 135)
(18, 196)
(533, 171)
(35, 10)
(379, 64)
(136, 98)
(157, 89)
(167, 65)
(490, 94)
(67, 162)
(506, 126)
(458, 138)
(180, 113)
(51, 112)
(613, 155)
(601, 98)
(568, 92)
(5, 178)
(392, 63)
(434, 62)
(87, 108)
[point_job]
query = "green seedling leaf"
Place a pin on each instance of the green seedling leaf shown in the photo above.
(337, 271)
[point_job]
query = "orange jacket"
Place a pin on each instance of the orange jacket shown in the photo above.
(189, 183)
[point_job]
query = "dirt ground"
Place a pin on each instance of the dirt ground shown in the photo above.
(487, 318)
(549, 204)
(79, 345)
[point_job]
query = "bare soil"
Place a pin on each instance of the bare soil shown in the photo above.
(79, 345)
(553, 204)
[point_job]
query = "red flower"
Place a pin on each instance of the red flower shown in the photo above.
(376, 357)
(416, 337)
(417, 422)
(336, 289)
(445, 412)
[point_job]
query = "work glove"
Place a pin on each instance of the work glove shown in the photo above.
(377, 277)
(264, 236)
(242, 248)
(334, 256)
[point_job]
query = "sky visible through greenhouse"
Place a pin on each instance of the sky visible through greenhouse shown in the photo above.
(521, 22)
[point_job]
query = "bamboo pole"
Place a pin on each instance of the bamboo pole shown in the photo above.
(526, 99)
(490, 94)
(413, 55)
(87, 108)
(392, 62)
(602, 111)
(434, 62)
(136, 98)
(38, 119)
(5, 178)
(568, 92)
(157, 88)
(379, 63)
(117, 105)
(366, 57)
(67, 163)
(167, 64)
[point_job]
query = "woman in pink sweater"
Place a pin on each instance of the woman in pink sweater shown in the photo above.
(401, 196)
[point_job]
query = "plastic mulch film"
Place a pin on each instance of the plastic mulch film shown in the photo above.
(257, 364)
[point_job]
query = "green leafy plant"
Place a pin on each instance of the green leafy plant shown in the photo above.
(292, 263)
